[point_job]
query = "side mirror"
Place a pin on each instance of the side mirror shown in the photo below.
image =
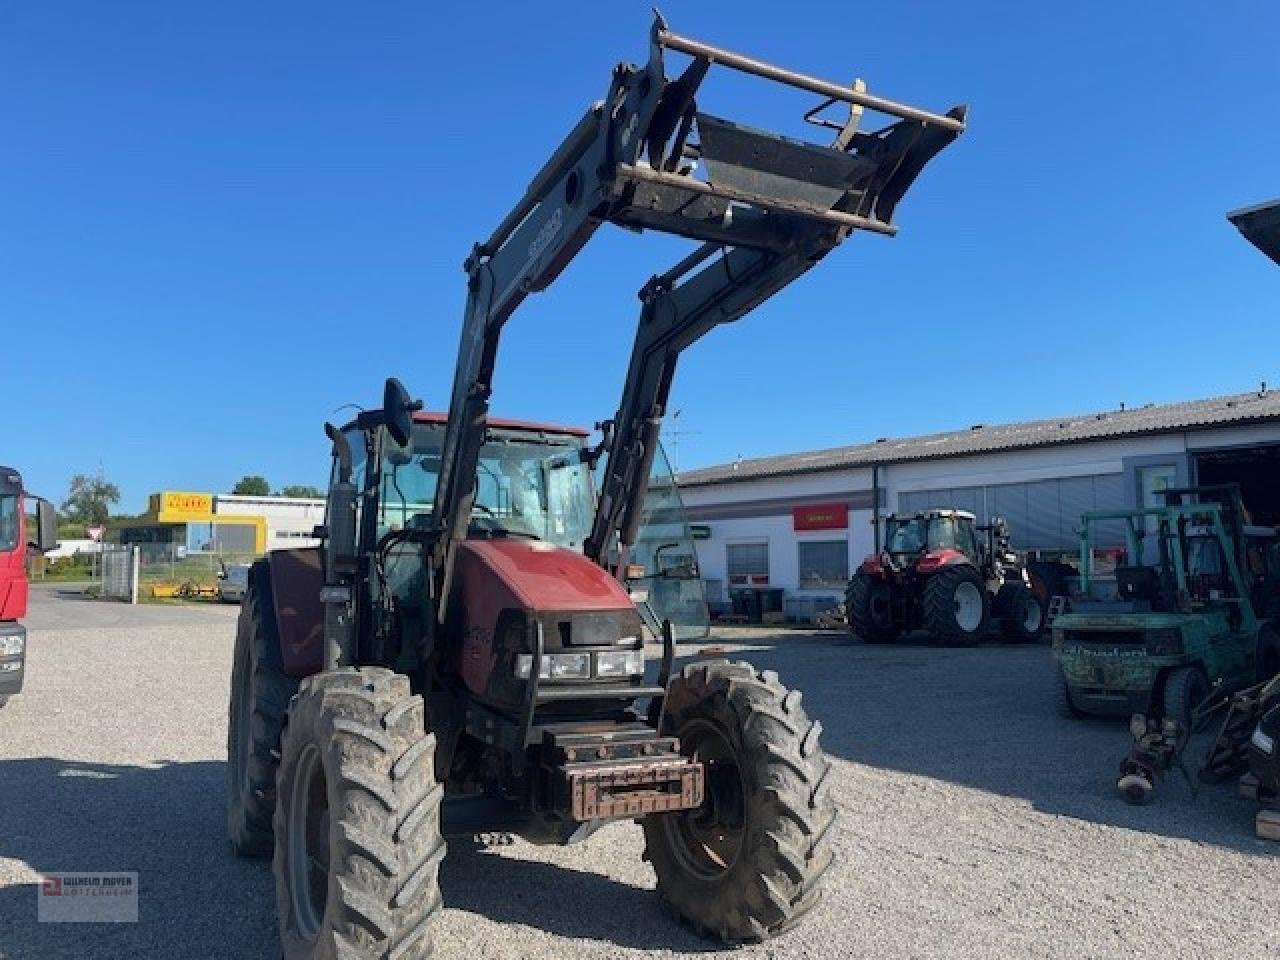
(398, 410)
(46, 526)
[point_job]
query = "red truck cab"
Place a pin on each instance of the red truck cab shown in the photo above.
(13, 574)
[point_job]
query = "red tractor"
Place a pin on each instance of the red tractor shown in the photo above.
(935, 574)
(462, 653)
(14, 544)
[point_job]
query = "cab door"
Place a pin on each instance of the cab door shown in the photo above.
(671, 588)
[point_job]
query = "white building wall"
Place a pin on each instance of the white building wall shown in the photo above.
(1094, 458)
(290, 520)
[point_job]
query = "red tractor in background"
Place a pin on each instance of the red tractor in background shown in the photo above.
(13, 573)
(935, 575)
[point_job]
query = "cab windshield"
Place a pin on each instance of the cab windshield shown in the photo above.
(8, 522)
(920, 533)
(529, 485)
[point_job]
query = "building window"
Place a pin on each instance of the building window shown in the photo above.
(748, 563)
(824, 564)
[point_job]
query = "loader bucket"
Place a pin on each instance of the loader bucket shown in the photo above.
(715, 188)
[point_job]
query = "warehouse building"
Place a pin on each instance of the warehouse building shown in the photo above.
(179, 522)
(801, 523)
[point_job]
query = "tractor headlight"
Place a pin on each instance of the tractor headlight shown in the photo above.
(12, 645)
(556, 666)
(620, 663)
(1263, 742)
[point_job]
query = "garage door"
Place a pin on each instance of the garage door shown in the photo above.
(1042, 514)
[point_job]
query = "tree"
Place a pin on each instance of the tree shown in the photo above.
(252, 485)
(302, 490)
(90, 499)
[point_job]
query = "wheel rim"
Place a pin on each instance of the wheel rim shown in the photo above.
(308, 843)
(708, 840)
(968, 601)
(1031, 622)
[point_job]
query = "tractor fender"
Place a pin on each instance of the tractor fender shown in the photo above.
(872, 565)
(935, 560)
(297, 576)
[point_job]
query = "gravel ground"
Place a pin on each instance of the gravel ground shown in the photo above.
(974, 822)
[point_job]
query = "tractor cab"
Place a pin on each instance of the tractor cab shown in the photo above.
(533, 506)
(932, 532)
(533, 481)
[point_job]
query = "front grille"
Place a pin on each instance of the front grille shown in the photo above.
(1108, 638)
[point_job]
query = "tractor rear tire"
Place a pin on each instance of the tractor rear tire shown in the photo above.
(868, 604)
(1184, 689)
(1022, 615)
(1063, 702)
(260, 694)
(357, 825)
(957, 607)
(748, 863)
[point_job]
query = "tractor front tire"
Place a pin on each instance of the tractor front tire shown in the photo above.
(260, 694)
(868, 604)
(748, 863)
(357, 823)
(1022, 615)
(957, 607)
(1184, 689)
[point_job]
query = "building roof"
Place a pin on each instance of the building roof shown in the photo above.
(1261, 406)
(1260, 225)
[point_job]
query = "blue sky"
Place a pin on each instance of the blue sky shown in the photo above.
(223, 221)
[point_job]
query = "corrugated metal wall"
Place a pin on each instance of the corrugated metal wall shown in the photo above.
(1042, 514)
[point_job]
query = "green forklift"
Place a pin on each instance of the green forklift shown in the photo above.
(1176, 626)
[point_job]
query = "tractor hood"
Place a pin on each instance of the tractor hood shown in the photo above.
(545, 577)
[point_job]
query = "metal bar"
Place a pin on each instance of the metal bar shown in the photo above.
(698, 257)
(596, 692)
(658, 715)
(566, 155)
(736, 61)
(835, 217)
(531, 693)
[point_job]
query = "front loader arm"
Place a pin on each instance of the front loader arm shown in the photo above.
(773, 205)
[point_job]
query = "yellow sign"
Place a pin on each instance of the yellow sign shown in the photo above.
(176, 504)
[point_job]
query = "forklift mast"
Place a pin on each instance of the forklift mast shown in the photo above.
(764, 208)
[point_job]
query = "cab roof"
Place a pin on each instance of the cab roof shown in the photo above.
(529, 426)
(10, 480)
(368, 418)
(930, 514)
